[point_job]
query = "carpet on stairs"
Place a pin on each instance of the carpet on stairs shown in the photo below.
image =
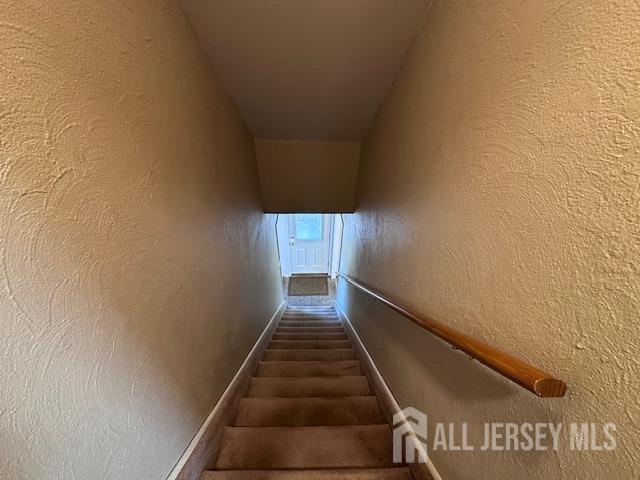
(309, 412)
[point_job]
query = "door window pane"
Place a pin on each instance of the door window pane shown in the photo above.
(309, 227)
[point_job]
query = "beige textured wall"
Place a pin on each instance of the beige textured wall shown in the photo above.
(311, 177)
(130, 233)
(498, 192)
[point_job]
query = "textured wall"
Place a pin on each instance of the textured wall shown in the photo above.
(307, 176)
(130, 234)
(498, 192)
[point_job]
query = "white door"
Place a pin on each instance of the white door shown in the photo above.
(309, 242)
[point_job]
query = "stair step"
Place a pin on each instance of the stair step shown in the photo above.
(310, 314)
(308, 411)
(308, 344)
(347, 386)
(310, 320)
(310, 330)
(401, 473)
(308, 355)
(311, 311)
(309, 336)
(260, 448)
(310, 369)
(309, 324)
(309, 307)
(314, 308)
(310, 317)
(290, 307)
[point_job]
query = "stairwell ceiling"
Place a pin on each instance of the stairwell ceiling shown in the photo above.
(307, 69)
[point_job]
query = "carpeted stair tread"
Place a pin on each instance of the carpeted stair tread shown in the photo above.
(401, 473)
(311, 313)
(308, 344)
(310, 307)
(309, 336)
(309, 324)
(302, 319)
(314, 368)
(309, 319)
(339, 329)
(309, 355)
(309, 386)
(356, 446)
(308, 411)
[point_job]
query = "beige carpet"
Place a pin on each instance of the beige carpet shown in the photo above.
(309, 413)
(302, 285)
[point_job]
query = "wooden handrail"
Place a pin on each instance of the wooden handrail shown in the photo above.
(525, 375)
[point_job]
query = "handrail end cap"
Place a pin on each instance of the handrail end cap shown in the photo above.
(549, 387)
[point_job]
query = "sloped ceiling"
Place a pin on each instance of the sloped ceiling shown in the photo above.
(307, 69)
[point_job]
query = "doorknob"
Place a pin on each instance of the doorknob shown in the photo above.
(292, 240)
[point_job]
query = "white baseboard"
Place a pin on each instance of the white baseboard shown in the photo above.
(388, 403)
(204, 445)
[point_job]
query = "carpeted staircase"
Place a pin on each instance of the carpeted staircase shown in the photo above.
(309, 413)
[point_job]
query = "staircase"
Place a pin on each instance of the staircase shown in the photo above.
(309, 412)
